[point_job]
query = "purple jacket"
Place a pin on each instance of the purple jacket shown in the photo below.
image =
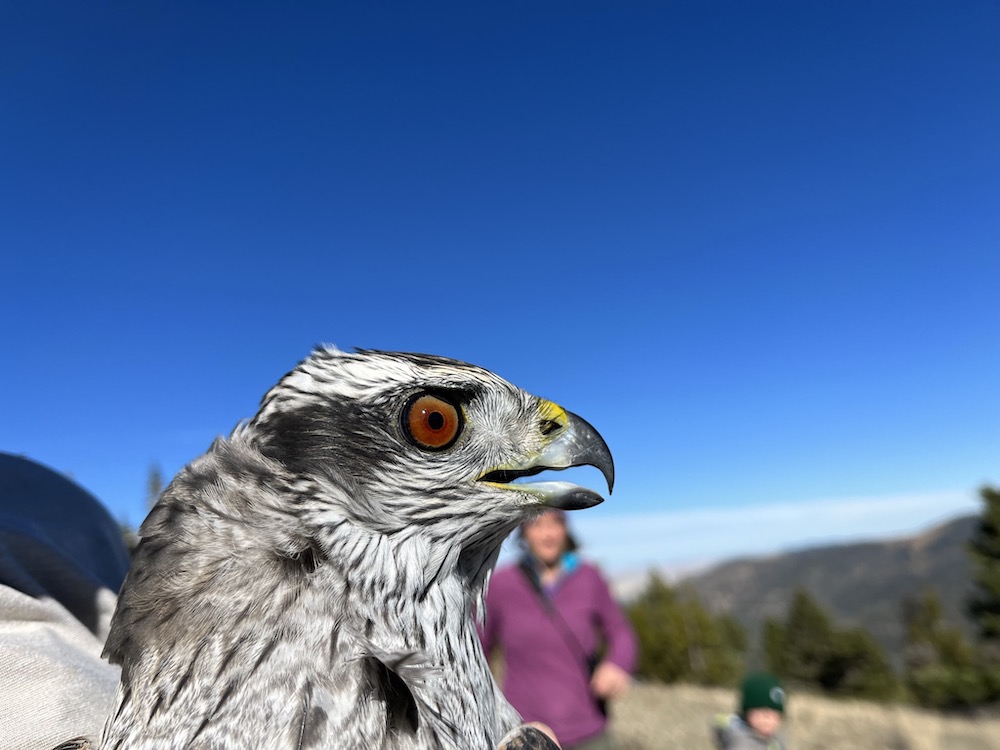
(546, 677)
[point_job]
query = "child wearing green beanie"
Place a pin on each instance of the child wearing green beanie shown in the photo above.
(757, 725)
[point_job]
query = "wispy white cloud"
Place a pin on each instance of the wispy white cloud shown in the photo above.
(685, 538)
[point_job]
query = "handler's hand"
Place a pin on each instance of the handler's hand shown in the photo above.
(610, 681)
(531, 736)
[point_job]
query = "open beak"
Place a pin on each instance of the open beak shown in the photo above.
(570, 441)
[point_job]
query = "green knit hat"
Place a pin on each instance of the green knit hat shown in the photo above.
(761, 691)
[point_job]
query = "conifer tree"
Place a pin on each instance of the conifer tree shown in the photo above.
(941, 669)
(984, 605)
(807, 638)
(680, 640)
(808, 650)
(773, 641)
(653, 616)
(154, 485)
(856, 666)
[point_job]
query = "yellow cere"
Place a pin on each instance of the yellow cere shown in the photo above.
(552, 411)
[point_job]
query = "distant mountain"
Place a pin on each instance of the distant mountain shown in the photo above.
(861, 584)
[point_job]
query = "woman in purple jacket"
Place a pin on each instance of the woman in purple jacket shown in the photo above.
(566, 645)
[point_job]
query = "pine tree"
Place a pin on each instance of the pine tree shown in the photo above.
(807, 650)
(941, 669)
(857, 667)
(984, 605)
(154, 485)
(807, 638)
(680, 640)
(662, 652)
(715, 644)
(773, 641)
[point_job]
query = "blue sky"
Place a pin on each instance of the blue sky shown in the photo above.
(756, 244)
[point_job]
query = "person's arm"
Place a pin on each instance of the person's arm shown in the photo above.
(613, 675)
(721, 731)
(621, 642)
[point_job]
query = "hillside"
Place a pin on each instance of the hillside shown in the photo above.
(858, 584)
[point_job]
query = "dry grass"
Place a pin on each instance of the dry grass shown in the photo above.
(660, 717)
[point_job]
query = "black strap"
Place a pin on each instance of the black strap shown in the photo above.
(565, 632)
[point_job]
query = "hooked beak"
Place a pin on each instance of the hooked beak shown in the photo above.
(570, 441)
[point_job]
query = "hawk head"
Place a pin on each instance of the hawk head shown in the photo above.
(411, 443)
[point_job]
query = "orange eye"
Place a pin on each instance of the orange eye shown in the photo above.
(432, 422)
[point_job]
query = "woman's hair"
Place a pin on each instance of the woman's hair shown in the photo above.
(571, 544)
